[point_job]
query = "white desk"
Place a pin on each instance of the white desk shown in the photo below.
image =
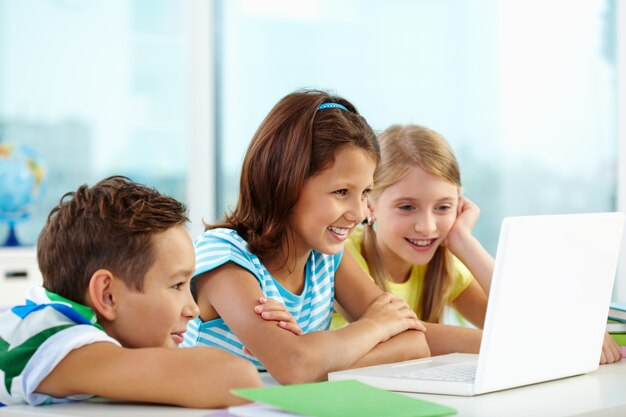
(599, 394)
(18, 272)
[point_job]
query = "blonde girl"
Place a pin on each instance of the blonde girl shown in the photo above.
(418, 240)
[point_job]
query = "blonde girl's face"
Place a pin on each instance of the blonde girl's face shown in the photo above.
(413, 217)
(332, 203)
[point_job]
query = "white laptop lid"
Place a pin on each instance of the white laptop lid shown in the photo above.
(549, 298)
(547, 309)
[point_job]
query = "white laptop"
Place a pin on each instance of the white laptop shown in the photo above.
(546, 316)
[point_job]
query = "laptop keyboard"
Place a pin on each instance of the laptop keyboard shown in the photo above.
(460, 372)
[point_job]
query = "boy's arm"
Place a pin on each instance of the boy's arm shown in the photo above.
(233, 292)
(192, 377)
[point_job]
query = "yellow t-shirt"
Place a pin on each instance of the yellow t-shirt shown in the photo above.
(411, 289)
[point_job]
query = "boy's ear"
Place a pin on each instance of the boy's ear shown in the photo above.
(102, 294)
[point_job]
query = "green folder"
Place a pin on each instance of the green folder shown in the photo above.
(342, 398)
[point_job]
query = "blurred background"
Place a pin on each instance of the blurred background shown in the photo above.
(170, 92)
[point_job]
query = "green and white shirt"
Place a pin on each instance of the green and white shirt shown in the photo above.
(35, 337)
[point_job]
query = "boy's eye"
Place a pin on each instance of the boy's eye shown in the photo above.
(444, 207)
(406, 207)
(365, 194)
(341, 192)
(178, 286)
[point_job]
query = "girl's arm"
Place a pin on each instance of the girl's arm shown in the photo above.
(443, 339)
(467, 248)
(354, 291)
(472, 304)
(195, 377)
(233, 293)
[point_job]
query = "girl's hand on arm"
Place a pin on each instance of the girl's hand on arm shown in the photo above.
(272, 310)
(392, 316)
(611, 350)
(371, 308)
(233, 293)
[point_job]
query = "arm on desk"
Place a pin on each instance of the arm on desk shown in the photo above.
(193, 377)
(443, 339)
(233, 293)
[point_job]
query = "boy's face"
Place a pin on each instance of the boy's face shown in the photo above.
(158, 316)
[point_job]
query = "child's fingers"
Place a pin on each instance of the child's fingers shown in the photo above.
(292, 327)
(418, 325)
(278, 316)
(611, 350)
(269, 305)
(415, 324)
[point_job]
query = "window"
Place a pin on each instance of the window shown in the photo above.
(531, 114)
(97, 88)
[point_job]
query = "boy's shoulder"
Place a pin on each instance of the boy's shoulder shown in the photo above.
(35, 337)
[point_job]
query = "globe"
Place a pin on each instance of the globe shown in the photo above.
(22, 181)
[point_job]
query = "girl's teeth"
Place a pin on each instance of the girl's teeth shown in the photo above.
(421, 242)
(338, 230)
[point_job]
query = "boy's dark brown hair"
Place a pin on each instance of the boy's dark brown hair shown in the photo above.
(295, 142)
(108, 226)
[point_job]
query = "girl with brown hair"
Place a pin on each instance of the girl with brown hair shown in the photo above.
(303, 189)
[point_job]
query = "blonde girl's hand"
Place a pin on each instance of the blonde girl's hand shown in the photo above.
(392, 316)
(272, 310)
(611, 350)
(467, 216)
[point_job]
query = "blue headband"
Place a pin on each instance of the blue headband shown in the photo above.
(332, 106)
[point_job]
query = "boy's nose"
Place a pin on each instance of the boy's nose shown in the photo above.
(191, 310)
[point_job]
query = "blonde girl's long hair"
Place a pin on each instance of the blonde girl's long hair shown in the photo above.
(401, 148)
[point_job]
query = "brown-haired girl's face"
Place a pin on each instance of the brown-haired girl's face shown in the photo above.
(413, 217)
(333, 202)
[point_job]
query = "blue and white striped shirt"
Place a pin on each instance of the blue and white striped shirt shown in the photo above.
(312, 309)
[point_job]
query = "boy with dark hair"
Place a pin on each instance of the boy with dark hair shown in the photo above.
(116, 264)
